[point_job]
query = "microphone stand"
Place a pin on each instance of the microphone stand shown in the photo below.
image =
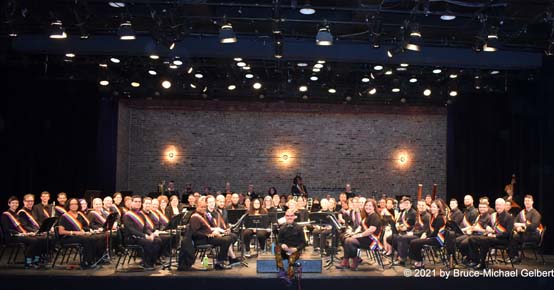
(110, 221)
(336, 228)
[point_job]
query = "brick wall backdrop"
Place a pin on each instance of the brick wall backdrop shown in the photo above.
(328, 145)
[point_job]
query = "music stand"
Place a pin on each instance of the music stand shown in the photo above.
(257, 222)
(455, 227)
(233, 215)
(108, 225)
(45, 227)
(172, 225)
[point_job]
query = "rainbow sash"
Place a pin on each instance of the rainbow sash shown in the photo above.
(30, 218)
(375, 243)
(522, 217)
(84, 218)
(149, 222)
(540, 228)
(498, 228)
(465, 222)
(15, 222)
(163, 219)
(98, 217)
(60, 210)
(77, 225)
(46, 213)
(420, 221)
(477, 225)
(441, 232)
(136, 218)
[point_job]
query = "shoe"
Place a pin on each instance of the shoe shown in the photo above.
(416, 266)
(344, 264)
(515, 260)
(247, 254)
(399, 263)
(359, 260)
(221, 266)
(234, 262)
(282, 274)
(480, 266)
(354, 265)
(471, 264)
(149, 268)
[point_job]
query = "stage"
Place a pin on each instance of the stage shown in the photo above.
(14, 277)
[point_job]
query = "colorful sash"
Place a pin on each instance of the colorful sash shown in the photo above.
(136, 218)
(60, 210)
(15, 222)
(440, 232)
(46, 213)
(420, 221)
(477, 225)
(522, 217)
(162, 218)
(30, 218)
(375, 243)
(498, 228)
(74, 221)
(465, 222)
(405, 221)
(149, 222)
(84, 218)
(98, 217)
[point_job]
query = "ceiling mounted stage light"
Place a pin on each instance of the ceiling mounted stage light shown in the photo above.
(365, 80)
(453, 93)
(192, 85)
(324, 37)
(237, 59)
(104, 83)
(303, 88)
(116, 4)
(257, 86)
(491, 43)
(453, 75)
(231, 87)
(415, 41)
(248, 76)
(372, 91)
(135, 84)
(154, 56)
(494, 72)
(173, 66)
(316, 69)
(198, 75)
(437, 71)
(307, 9)
(126, 31)
(302, 64)
(314, 78)
(70, 55)
(388, 72)
(378, 67)
(448, 17)
(413, 80)
(57, 31)
(241, 64)
(226, 34)
(115, 60)
(427, 92)
(178, 62)
(152, 72)
(166, 84)
(395, 90)
(332, 90)
(321, 61)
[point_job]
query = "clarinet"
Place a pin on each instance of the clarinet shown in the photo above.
(53, 209)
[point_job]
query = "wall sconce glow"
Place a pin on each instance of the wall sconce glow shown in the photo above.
(403, 159)
(283, 157)
(170, 154)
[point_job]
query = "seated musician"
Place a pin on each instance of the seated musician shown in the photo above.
(497, 232)
(322, 231)
(43, 210)
(405, 223)
(276, 201)
(202, 233)
(290, 242)
(402, 242)
(127, 204)
(261, 234)
(301, 210)
(217, 217)
(153, 223)
(527, 226)
(268, 204)
(235, 202)
(456, 215)
(21, 230)
(158, 217)
(137, 232)
(368, 238)
(118, 203)
(298, 188)
(74, 227)
(83, 204)
(60, 205)
(434, 235)
(476, 228)
(97, 216)
(174, 208)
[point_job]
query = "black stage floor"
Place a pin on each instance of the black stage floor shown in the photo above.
(14, 277)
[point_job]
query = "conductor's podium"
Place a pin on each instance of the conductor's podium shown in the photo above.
(266, 264)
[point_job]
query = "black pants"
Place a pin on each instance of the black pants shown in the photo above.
(351, 246)
(462, 243)
(519, 239)
(34, 246)
(403, 245)
(150, 249)
(261, 235)
(222, 242)
(91, 246)
(479, 246)
(417, 244)
(320, 237)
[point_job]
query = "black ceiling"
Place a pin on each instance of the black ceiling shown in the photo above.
(524, 30)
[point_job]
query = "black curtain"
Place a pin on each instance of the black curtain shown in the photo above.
(492, 136)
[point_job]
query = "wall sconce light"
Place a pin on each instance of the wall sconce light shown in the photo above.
(285, 157)
(170, 154)
(403, 159)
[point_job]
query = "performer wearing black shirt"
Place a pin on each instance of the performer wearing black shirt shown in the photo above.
(298, 188)
(420, 226)
(138, 232)
(470, 212)
(498, 232)
(367, 239)
(527, 226)
(43, 210)
(477, 228)
(455, 214)
(435, 234)
(290, 242)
